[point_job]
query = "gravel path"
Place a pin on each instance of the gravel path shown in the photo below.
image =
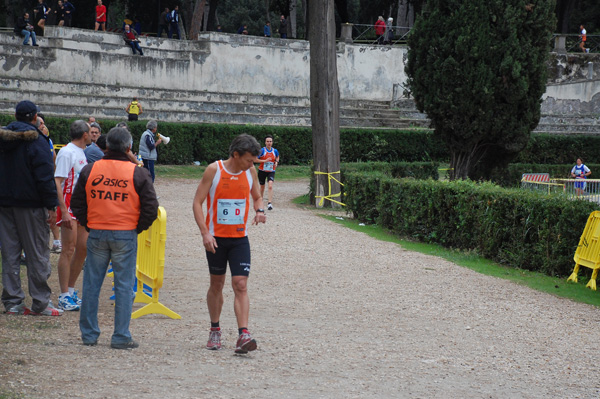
(336, 315)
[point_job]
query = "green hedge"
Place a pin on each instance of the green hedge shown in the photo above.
(521, 229)
(208, 142)
(561, 149)
(414, 170)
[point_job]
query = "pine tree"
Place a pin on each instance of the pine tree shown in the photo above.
(478, 69)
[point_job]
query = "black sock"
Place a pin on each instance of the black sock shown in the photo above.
(214, 325)
(241, 330)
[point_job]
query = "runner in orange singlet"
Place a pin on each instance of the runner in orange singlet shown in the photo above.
(226, 187)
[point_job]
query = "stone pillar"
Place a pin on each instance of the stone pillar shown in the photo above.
(590, 70)
(346, 35)
(560, 44)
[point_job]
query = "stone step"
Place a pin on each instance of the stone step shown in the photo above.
(107, 48)
(184, 105)
(211, 116)
(88, 36)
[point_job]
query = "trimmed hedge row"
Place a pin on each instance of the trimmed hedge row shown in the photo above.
(517, 228)
(414, 170)
(561, 149)
(208, 142)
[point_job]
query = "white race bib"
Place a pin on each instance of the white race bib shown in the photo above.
(231, 211)
(268, 167)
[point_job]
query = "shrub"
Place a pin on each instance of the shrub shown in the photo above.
(518, 228)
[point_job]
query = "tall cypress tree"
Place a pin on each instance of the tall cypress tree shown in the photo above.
(478, 69)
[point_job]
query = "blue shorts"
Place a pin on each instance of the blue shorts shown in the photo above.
(236, 251)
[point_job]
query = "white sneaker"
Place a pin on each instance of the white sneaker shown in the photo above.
(68, 303)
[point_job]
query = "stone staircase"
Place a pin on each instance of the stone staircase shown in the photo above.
(59, 97)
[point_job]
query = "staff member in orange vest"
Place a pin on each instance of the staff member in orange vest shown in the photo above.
(226, 186)
(114, 200)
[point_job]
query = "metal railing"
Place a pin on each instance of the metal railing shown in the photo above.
(575, 189)
(570, 43)
(366, 33)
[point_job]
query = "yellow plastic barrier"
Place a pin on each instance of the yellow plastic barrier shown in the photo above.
(330, 196)
(588, 250)
(150, 267)
(58, 147)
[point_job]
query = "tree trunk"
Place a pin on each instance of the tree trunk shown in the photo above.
(306, 22)
(212, 14)
(324, 99)
(292, 19)
(205, 18)
(197, 19)
(268, 14)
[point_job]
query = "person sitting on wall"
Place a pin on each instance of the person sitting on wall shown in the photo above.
(131, 38)
(25, 29)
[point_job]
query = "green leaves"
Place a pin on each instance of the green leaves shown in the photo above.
(521, 229)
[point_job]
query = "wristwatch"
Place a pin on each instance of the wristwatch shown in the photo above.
(260, 210)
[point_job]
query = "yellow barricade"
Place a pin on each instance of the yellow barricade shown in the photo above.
(150, 267)
(588, 250)
(58, 147)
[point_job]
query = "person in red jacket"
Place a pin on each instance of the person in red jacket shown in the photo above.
(380, 29)
(100, 16)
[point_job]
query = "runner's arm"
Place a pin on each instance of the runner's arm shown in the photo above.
(210, 244)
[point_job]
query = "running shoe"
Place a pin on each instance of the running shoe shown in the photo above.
(245, 343)
(68, 303)
(76, 298)
(214, 339)
(17, 309)
(125, 345)
(269, 206)
(49, 311)
(56, 247)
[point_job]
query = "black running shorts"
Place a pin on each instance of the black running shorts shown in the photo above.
(262, 176)
(236, 251)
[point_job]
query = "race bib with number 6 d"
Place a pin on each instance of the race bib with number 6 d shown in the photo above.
(231, 211)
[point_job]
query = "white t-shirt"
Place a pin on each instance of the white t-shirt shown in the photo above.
(69, 162)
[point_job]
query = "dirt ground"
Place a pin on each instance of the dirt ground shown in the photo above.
(336, 314)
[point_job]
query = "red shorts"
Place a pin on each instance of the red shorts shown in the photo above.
(59, 213)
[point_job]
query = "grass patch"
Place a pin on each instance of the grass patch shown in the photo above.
(302, 200)
(284, 172)
(535, 280)
(10, 395)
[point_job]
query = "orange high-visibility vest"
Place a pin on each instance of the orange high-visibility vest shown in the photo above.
(228, 203)
(113, 203)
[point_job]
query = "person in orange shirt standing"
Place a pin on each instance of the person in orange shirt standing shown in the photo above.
(114, 200)
(226, 187)
(100, 16)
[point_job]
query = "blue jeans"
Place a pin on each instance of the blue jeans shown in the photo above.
(26, 33)
(135, 46)
(174, 28)
(104, 246)
(148, 164)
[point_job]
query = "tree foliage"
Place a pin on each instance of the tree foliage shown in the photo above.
(477, 68)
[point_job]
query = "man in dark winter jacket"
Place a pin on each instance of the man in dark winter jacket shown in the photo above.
(27, 205)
